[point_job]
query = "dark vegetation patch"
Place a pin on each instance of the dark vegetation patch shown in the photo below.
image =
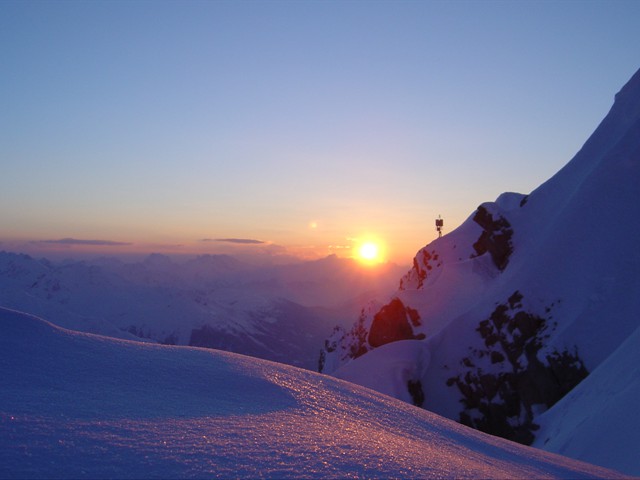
(416, 392)
(503, 381)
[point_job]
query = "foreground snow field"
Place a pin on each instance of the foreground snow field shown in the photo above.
(75, 405)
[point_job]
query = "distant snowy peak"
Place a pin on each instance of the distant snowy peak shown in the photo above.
(20, 265)
(218, 264)
(157, 261)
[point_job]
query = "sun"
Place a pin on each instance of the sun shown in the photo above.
(369, 252)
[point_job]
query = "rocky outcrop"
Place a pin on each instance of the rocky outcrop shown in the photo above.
(394, 322)
(495, 238)
(373, 328)
(423, 265)
(342, 346)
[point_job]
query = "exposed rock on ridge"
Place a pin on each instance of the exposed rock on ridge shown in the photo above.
(495, 238)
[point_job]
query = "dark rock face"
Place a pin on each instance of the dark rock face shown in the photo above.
(394, 322)
(420, 273)
(495, 237)
(358, 345)
(137, 331)
(503, 381)
(423, 267)
(171, 339)
(322, 359)
(206, 336)
(352, 344)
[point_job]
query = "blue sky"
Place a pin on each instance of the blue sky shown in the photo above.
(156, 125)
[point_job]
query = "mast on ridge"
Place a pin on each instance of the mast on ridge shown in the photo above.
(439, 225)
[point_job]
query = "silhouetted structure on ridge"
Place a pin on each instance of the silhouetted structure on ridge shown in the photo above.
(439, 225)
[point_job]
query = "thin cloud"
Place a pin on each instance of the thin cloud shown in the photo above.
(243, 241)
(76, 241)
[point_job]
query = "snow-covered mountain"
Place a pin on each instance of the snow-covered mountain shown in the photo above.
(532, 298)
(76, 405)
(280, 313)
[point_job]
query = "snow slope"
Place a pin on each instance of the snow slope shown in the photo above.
(518, 305)
(77, 405)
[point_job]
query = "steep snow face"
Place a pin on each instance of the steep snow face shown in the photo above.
(527, 296)
(76, 405)
(600, 411)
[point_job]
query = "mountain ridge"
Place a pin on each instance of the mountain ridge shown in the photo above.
(526, 297)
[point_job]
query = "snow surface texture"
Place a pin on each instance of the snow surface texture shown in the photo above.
(522, 301)
(280, 313)
(76, 405)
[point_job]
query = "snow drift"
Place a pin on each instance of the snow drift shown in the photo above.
(77, 405)
(527, 298)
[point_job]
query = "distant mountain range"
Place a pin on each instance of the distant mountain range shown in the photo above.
(524, 322)
(279, 313)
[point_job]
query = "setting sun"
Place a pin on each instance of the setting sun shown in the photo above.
(369, 252)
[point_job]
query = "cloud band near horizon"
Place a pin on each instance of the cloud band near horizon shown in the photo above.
(76, 241)
(242, 241)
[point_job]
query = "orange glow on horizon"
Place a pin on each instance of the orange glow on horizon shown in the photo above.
(368, 249)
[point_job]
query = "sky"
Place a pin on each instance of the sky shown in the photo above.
(290, 127)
